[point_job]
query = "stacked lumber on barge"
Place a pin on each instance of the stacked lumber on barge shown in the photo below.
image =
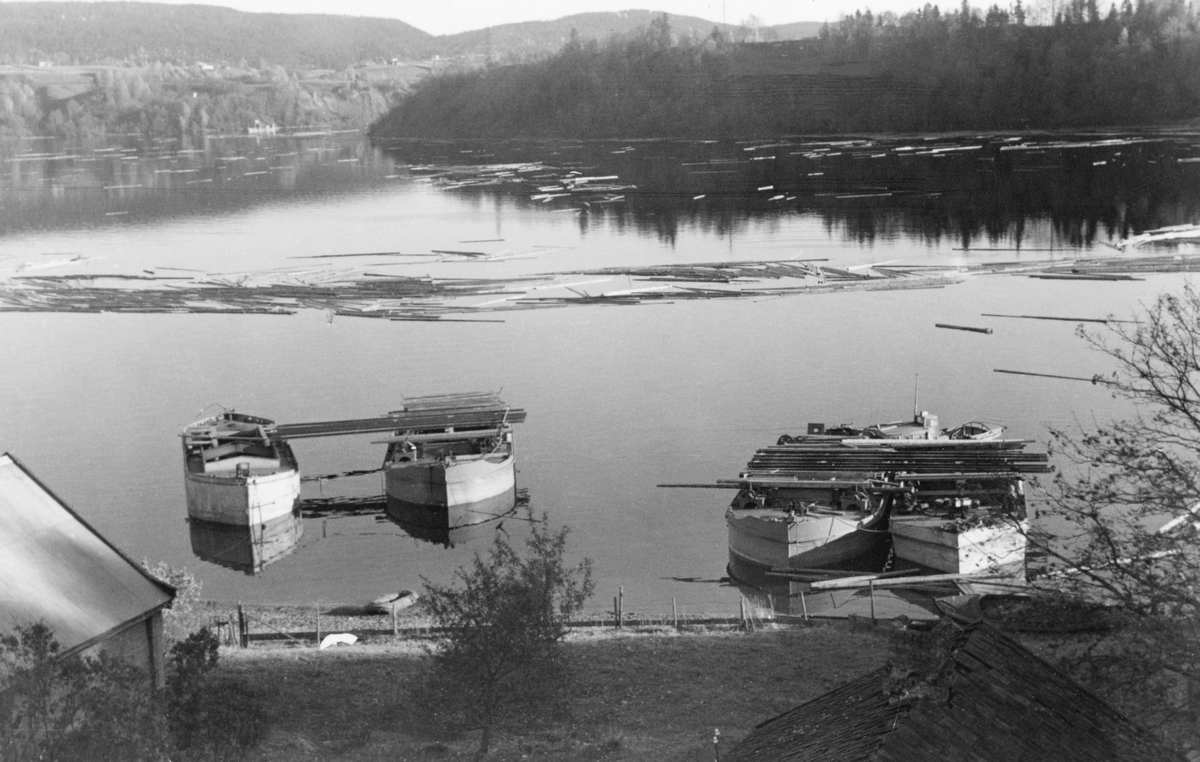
(468, 415)
(450, 460)
(944, 506)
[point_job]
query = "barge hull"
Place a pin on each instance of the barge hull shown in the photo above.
(765, 539)
(241, 501)
(445, 496)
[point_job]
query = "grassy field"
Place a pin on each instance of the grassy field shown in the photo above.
(648, 693)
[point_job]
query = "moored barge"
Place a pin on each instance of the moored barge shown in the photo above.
(451, 462)
(830, 503)
(237, 471)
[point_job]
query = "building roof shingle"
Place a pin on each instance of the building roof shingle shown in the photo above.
(995, 702)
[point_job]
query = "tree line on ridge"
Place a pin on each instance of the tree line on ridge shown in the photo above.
(924, 71)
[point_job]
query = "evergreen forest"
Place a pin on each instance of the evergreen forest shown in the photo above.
(1127, 65)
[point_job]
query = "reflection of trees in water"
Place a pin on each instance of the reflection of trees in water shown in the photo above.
(1049, 192)
(50, 184)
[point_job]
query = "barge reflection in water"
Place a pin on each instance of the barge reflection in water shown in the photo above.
(249, 548)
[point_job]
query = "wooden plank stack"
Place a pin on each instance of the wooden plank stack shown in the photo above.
(465, 412)
(927, 457)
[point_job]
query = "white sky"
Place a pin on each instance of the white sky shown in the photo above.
(450, 16)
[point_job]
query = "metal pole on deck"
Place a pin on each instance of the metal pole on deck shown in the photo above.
(804, 605)
(620, 605)
(395, 630)
(243, 630)
(674, 613)
(872, 582)
(318, 605)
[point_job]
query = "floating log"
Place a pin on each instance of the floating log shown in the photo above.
(1093, 379)
(1082, 276)
(1050, 317)
(962, 328)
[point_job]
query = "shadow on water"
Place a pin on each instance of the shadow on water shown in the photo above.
(971, 190)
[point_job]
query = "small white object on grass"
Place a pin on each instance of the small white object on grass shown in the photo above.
(341, 637)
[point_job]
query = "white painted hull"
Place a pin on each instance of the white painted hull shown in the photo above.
(234, 473)
(765, 539)
(998, 547)
(241, 500)
(452, 493)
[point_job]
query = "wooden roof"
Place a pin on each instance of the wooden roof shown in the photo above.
(56, 569)
(848, 724)
(1004, 705)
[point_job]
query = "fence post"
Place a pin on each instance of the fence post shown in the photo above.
(243, 628)
(318, 605)
(395, 630)
(803, 605)
(674, 613)
(620, 605)
(872, 583)
(742, 605)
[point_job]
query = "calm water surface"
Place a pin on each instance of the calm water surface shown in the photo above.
(619, 399)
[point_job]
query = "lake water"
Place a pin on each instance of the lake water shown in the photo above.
(620, 398)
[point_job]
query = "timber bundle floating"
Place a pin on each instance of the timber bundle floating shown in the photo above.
(938, 501)
(269, 293)
(800, 276)
(358, 293)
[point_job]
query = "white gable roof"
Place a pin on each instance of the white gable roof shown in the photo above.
(56, 569)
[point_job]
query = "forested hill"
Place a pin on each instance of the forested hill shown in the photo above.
(924, 71)
(87, 33)
(535, 39)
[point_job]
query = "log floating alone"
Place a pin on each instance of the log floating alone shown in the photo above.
(1093, 379)
(962, 328)
(1053, 317)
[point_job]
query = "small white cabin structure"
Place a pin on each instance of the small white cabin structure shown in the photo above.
(57, 570)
